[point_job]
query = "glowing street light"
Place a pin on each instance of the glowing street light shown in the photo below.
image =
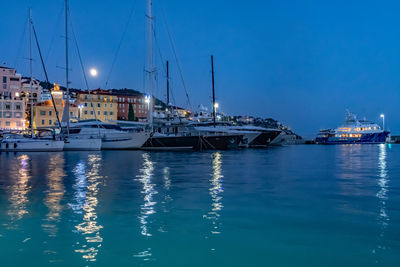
(216, 105)
(80, 111)
(383, 121)
(93, 72)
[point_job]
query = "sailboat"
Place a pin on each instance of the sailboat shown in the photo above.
(19, 143)
(182, 134)
(76, 139)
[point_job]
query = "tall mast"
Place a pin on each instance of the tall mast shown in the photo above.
(66, 63)
(213, 88)
(167, 85)
(30, 69)
(150, 60)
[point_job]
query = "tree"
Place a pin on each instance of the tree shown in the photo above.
(131, 113)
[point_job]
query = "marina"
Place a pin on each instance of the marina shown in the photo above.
(199, 133)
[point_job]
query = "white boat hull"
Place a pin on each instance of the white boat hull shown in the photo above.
(129, 140)
(31, 145)
(84, 144)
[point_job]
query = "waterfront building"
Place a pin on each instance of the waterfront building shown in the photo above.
(44, 112)
(97, 104)
(10, 82)
(12, 105)
(12, 113)
(26, 90)
(132, 100)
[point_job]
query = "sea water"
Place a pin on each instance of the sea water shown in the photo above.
(284, 206)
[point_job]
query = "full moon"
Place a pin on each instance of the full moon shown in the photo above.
(93, 72)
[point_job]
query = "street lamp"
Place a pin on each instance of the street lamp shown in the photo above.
(80, 111)
(383, 121)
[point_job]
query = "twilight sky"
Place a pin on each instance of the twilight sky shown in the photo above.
(300, 62)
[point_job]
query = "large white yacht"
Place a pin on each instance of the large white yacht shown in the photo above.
(111, 135)
(354, 131)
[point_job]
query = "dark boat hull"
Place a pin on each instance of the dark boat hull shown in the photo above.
(212, 142)
(264, 139)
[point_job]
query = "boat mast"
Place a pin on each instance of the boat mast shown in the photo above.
(150, 60)
(66, 64)
(30, 69)
(213, 88)
(168, 88)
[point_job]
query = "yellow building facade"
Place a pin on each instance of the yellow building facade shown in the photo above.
(44, 112)
(98, 104)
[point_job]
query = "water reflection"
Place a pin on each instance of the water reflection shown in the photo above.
(215, 193)
(20, 188)
(382, 195)
(87, 184)
(54, 193)
(167, 187)
(148, 191)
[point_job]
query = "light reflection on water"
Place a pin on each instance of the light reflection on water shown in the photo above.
(148, 191)
(87, 184)
(54, 193)
(20, 188)
(147, 209)
(382, 195)
(215, 192)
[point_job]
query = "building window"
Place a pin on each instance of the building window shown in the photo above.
(50, 122)
(98, 113)
(111, 113)
(91, 112)
(43, 113)
(105, 105)
(42, 122)
(8, 106)
(4, 79)
(85, 112)
(18, 106)
(111, 105)
(8, 123)
(105, 113)
(98, 105)
(50, 113)
(85, 104)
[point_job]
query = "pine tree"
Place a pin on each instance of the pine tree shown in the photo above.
(131, 113)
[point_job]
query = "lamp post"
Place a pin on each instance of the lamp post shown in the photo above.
(80, 107)
(147, 101)
(383, 121)
(216, 106)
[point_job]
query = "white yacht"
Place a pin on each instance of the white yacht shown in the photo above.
(82, 139)
(20, 143)
(112, 136)
(354, 131)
